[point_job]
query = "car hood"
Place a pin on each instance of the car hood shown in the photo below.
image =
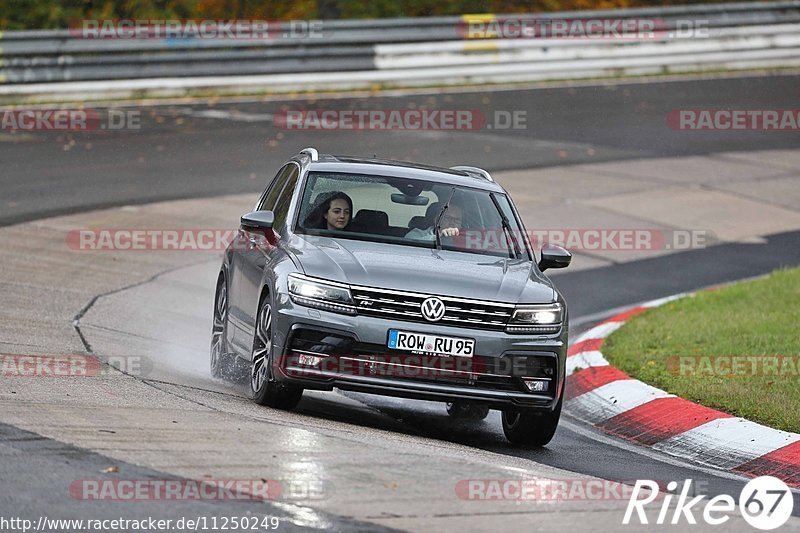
(423, 270)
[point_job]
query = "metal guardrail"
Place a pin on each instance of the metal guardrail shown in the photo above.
(419, 50)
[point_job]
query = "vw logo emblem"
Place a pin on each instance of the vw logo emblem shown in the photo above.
(432, 309)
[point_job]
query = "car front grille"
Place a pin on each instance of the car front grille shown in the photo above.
(460, 312)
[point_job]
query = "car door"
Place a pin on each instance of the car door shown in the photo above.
(259, 252)
(238, 313)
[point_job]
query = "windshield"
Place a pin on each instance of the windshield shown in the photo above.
(405, 212)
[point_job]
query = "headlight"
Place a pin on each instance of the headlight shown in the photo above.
(328, 296)
(541, 319)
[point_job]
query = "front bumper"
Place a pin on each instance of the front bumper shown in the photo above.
(353, 356)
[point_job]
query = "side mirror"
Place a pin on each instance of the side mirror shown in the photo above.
(554, 257)
(258, 221)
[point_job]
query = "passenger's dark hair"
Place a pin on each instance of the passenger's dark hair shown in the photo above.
(323, 202)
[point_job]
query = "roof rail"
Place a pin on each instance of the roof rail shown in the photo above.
(311, 152)
(474, 172)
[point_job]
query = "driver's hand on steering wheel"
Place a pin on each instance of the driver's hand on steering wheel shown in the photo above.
(448, 232)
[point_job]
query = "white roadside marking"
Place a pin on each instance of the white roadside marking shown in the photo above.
(585, 360)
(595, 434)
(726, 442)
(599, 332)
(662, 301)
(611, 399)
(227, 115)
(594, 318)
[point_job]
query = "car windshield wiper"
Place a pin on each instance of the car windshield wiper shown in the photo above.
(506, 227)
(437, 238)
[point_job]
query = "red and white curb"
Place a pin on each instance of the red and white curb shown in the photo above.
(607, 398)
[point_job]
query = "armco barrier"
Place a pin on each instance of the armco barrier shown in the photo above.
(355, 54)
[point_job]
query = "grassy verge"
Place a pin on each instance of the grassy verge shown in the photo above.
(736, 349)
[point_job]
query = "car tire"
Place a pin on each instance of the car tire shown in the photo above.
(220, 364)
(530, 428)
(467, 410)
(266, 390)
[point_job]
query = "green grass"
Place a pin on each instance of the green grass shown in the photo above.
(669, 348)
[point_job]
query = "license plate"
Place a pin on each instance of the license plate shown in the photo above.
(433, 344)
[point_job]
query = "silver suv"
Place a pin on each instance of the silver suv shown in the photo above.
(398, 279)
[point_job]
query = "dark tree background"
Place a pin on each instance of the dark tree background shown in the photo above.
(35, 14)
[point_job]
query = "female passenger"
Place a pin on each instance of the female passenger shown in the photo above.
(333, 211)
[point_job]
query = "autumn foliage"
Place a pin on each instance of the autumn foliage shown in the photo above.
(37, 14)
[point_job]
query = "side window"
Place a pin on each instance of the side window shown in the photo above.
(281, 208)
(267, 202)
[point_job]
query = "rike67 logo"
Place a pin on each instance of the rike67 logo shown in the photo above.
(766, 503)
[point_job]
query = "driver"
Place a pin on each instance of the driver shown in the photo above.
(449, 225)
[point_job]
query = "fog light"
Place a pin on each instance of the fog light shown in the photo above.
(537, 385)
(308, 360)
